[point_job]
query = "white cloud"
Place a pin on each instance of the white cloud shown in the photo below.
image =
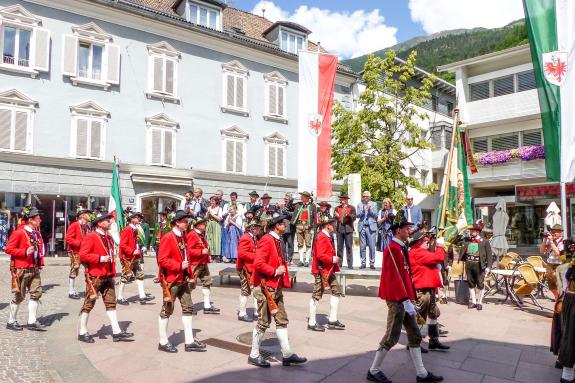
(441, 15)
(348, 34)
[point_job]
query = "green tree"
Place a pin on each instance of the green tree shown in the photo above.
(382, 137)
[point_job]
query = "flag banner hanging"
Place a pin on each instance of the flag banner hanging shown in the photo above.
(115, 206)
(551, 30)
(316, 86)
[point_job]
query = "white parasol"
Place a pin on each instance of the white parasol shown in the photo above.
(553, 216)
(499, 243)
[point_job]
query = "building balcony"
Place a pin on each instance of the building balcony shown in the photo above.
(514, 106)
(512, 170)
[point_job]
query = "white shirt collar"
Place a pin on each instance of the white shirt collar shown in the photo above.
(28, 229)
(274, 234)
(133, 226)
(100, 231)
(250, 233)
(197, 231)
(325, 232)
(81, 221)
(399, 241)
(177, 232)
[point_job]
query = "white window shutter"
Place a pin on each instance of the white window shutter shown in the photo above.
(281, 99)
(156, 146)
(272, 99)
(240, 92)
(41, 49)
(95, 139)
(280, 162)
(5, 128)
(230, 155)
(20, 131)
(70, 59)
(170, 76)
(239, 157)
(271, 161)
(113, 63)
(82, 138)
(168, 142)
(230, 86)
(158, 74)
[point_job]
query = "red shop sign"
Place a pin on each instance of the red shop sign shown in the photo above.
(542, 191)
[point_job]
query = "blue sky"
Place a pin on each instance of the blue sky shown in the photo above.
(353, 28)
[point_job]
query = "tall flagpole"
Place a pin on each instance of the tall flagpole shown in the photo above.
(447, 171)
(564, 209)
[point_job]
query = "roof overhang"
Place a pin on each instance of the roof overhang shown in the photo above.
(287, 24)
(483, 59)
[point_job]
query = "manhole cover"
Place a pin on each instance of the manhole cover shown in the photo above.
(269, 340)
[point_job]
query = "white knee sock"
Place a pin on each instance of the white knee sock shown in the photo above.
(472, 296)
(431, 321)
(188, 331)
(206, 294)
(71, 289)
(84, 323)
(163, 329)
(301, 254)
(415, 353)
(568, 373)
(257, 337)
(141, 291)
(114, 321)
(243, 304)
(312, 312)
(13, 316)
(481, 294)
(377, 361)
(32, 311)
(333, 307)
(307, 255)
(121, 291)
(282, 334)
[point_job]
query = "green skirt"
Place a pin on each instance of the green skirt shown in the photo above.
(214, 237)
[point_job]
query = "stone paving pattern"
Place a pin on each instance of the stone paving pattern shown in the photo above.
(500, 344)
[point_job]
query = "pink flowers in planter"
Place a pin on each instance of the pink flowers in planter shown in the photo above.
(525, 153)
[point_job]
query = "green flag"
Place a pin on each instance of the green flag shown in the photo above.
(115, 206)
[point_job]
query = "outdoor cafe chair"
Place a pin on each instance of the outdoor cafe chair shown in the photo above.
(526, 283)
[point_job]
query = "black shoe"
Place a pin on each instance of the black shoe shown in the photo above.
(211, 310)
(150, 296)
(423, 349)
(36, 326)
(479, 307)
(430, 378)
(122, 302)
(379, 377)
(258, 362)
(300, 264)
(350, 267)
(472, 306)
(307, 264)
(566, 381)
(86, 338)
(316, 327)
(145, 300)
(443, 333)
(362, 267)
(195, 346)
(372, 267)
(293, 359)
(15, 326)
(122, 337)
(74, 295)
(558, 365)
(156, 280)
(435, 344)
(168, 347)
(244, 318)
(337, 325)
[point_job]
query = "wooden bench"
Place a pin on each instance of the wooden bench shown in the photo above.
(346, 274)
(233, 272)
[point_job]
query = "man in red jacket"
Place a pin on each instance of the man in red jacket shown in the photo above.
(324, 266)
(426, 278)
(245, 266)
(74, 236)
(176, 272)
(271, 267)
(130, 258)
(97, 255)
(26, 250)
(199, 254)
(396, 288)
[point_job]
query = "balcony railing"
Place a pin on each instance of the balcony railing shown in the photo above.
(10, 60)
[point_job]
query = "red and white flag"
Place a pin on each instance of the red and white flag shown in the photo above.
(316, 86)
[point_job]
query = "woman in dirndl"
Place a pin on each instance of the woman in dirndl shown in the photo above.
(214, 228)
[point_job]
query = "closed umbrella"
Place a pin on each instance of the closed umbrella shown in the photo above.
(499, 243)
(553, 216)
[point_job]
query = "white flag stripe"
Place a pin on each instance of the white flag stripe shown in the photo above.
(565, 18)
(308, 104)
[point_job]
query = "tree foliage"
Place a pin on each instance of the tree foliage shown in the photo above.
(384, 134)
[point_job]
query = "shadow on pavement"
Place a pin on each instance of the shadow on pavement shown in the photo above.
(49, 320)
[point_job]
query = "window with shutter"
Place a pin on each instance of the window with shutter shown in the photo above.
(239, 92)
(479, 91)
(505, 142)
(82, 138)
(158, 74)
(230, 86)
(281, 91)
(156, 146)
(239, 164)
(14, 129)
(479, 145)
(162, 71)
(5, 129)
(503, 86)
(168, 138)
(273, 98)
(532, 138)
(275, 92)
(280, 162)
(169, 88)
(41, 47)
(272, 161)
(230, 146)
(95, 139)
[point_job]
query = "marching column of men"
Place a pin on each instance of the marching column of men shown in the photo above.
(74, 236)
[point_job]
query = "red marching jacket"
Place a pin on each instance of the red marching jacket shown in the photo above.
(129, 244)
(246, 253)
(171, 254)
(268, 259)
(395, 284)
(324, 252)
(18, 242)
(196, 243)
(424, 269)
(74, 236)
(93, 247)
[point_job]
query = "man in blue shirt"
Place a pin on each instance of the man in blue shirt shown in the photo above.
(413, 212)
(367, 227)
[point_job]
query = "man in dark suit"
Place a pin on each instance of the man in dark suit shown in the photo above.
(195, 204)
(413, 212)
(478, 258)
(345, 216)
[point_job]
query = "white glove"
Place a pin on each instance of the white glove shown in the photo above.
(409, 307)
(488, 270)
(440, 241)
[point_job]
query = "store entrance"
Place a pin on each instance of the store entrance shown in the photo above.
(152, 205)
